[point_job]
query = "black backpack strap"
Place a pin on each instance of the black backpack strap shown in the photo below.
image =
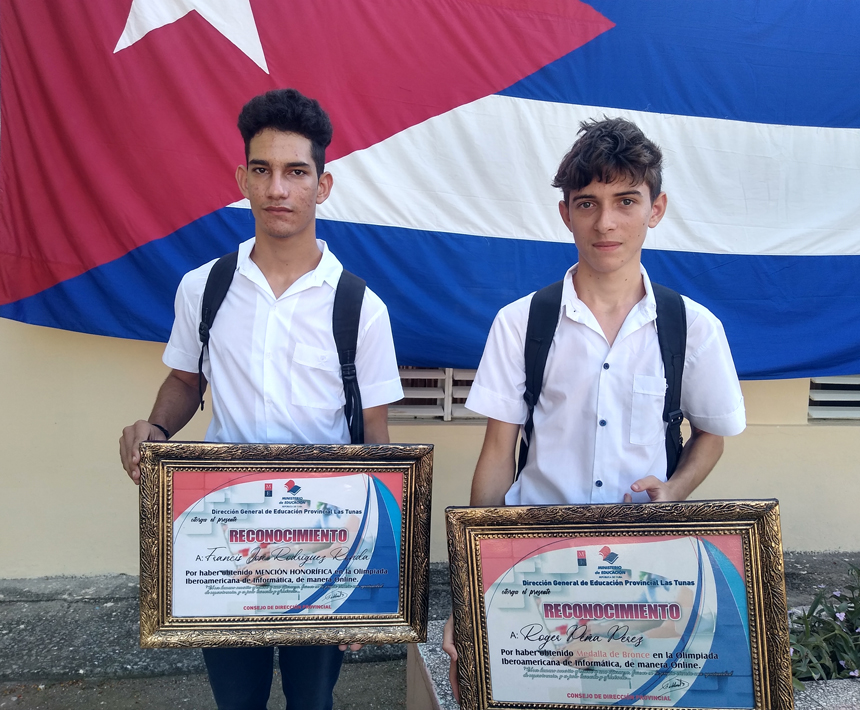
(344, 324)
(217, 285)
(543, 320)
(672, 336)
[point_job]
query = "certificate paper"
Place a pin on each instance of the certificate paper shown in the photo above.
(657, 622)
(265, 544)
(677, 604)
(245, 545)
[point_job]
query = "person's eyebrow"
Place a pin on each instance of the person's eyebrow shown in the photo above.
(266, 163)
(624, 193)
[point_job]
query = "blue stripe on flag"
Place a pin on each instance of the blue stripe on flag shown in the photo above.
(132, 297)
(793, 63)
(782, 314)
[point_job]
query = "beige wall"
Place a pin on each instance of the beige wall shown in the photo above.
(67, 507)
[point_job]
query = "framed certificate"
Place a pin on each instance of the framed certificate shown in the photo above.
(656, 605)
(247, 544)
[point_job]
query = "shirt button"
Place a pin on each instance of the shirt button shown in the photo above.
(602, 422)
(598, 483)
(605, 365)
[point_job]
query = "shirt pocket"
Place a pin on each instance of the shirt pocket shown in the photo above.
(646, 416)
(316, 378)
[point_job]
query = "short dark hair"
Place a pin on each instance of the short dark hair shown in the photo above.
(290, 111)
(609, 150)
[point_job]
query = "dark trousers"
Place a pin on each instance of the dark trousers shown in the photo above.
(241, 678)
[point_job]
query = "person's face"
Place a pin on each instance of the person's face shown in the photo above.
(609, 222)
(281, 183)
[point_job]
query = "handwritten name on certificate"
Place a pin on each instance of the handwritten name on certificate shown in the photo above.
(647, 621)
(259, 544)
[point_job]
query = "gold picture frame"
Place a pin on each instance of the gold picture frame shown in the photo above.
(269, 544)
(536, 627)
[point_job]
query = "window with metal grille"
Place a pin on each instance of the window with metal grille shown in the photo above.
(438, 393)
(834, 397)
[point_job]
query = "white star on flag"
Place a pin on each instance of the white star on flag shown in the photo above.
(232, 18)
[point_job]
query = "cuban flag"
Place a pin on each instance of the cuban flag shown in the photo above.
(118, 148)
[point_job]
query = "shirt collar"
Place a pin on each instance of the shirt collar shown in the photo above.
(648, 305)
(574, 308)
(327, 271)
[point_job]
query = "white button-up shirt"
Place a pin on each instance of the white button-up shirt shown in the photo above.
(598, 425)
(272, 362)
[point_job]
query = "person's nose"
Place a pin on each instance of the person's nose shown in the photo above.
(606, 221)
(278, 186)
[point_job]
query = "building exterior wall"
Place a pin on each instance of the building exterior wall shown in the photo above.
(67, 507)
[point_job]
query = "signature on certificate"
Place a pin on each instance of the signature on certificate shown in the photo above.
(674, 684)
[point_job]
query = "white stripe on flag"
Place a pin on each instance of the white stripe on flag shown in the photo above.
(485, 168)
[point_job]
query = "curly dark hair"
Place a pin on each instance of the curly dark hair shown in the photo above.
(609, 150)
(290, 111)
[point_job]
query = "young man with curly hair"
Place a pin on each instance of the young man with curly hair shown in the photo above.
(599, 433)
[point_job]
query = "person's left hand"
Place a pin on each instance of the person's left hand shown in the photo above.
(656, 489)
(352, 646)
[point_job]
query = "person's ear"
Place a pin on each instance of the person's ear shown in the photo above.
(324, 187)
(242, 179)
(564, 211)
(658, 210)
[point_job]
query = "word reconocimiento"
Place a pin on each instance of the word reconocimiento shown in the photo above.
(290, 535)
(638, 610)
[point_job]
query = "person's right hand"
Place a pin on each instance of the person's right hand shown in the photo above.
(129, 446)
(449, 648)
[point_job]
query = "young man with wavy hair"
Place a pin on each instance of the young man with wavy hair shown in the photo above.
(599, 433)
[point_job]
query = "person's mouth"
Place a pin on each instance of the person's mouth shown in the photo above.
(606, 246)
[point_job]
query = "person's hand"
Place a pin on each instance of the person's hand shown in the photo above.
(129, 446)
(352, 646)
(449, 648)
(656, 489)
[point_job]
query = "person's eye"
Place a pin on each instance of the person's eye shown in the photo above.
(299, 172)
(260, 171)
(585, 204)
(627, 202)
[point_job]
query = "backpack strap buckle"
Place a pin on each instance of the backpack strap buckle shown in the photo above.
(347, 372)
